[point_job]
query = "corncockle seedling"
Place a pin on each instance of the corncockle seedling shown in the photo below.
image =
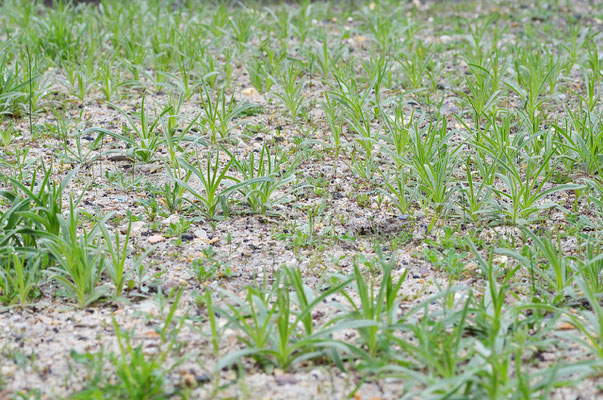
(557, 270)
(302, 21)
(531, 75)
(397, 128)
(62, 37)
(438, 344)
(376, 305)
(327, 55)
(218, 115)
(416, 64)
(276, 332)
(212, 176)
(140, 375)
(592, 265)
(398, 190)
(496, 141)
(108, 80)
(384, 28)
(291, 90)
(242, 25)
(581, 138)
(277, 170)
(260, 74)
(524, 190)
(334, 119)
(593, 95)
(84, 85)
(432, 165)
(475, 52)
(7, 135)
(13, 84)
(578, 38)
(480, 97)
(476, 197)
(118, 253)
(145, 142)
(355, 104)
(43, 206)
(79, 259)
(182, 82)
(19, 275)
(589, 322)
(280, 21)
(378, 71)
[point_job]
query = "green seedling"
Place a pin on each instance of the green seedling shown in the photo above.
(79, 259)
(276, 171)
(376, 303)
(143, 140)
(19, 276)
(118, 253)
(291, 90)
(271, 329)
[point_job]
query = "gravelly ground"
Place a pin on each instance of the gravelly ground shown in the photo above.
(36, 342)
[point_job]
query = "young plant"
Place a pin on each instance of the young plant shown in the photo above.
(260, 74)
(398, 129)
(218, 115)
(212, 175)
(552, 266)
(432, 165)
(327, 55)
(524, 189)
(118, 253)
(334, 119)
(589, 322)
(277, 172)
(209, 267)
(291, 91)
(476, 197)
(581, 139)
(592, 266)
(178, 230)
(377, 306)
(273, 330)
(139, 375)
(398, 191)
(355, 106)
(242, 26)
(145, 142)
(19, 276)
(71, 142)
(7, 135)
(531, 77)
(79, 259)
(108, 80)
(13, 85)
(481, 98)
(33, 214)
(438, 346)
(416, 64)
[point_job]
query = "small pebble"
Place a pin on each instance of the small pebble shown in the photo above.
(201, 234)
(155, 239)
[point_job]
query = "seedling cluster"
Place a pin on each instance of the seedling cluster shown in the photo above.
(402, 198)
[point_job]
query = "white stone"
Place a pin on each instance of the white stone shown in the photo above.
(201, 234)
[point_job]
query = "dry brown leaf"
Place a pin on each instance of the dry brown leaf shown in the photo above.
(565, 326)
